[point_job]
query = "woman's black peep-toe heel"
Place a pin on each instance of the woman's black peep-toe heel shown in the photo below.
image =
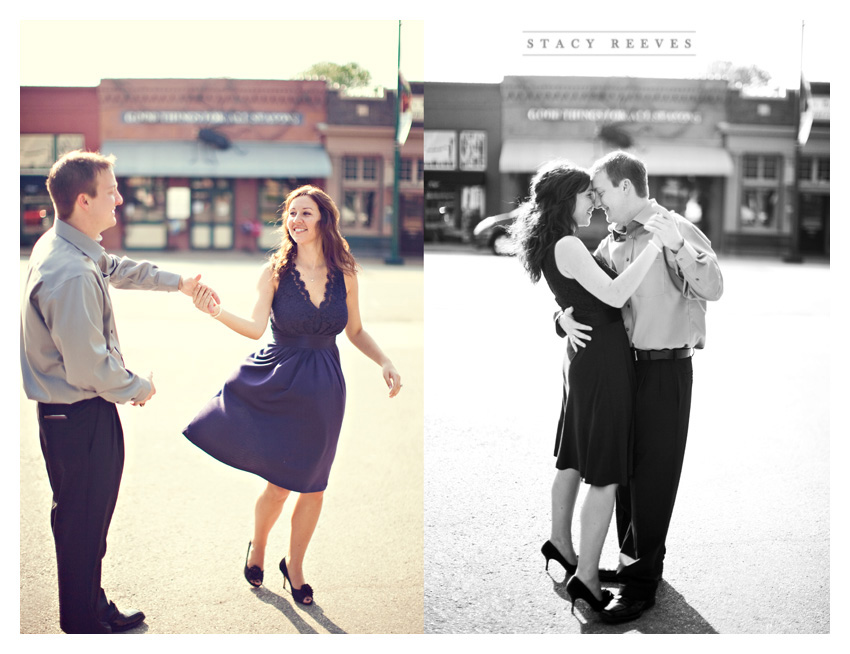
(551, 552)
(254, 574)
(303, 595)
(577, 590)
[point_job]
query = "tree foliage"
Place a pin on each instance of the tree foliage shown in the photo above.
(737, 75)
(350, 75)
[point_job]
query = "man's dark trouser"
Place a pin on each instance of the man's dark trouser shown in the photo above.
(645, 506)
(83, 447)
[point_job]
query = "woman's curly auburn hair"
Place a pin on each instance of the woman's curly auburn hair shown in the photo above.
(334, 247)
(547, 215)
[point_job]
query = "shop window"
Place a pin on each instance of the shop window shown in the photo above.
(370, 168)
(804, 171)
(358, 209)
(273, 194)
(36, 209)
(144, 199)
(349, 167)
(759, 209)
(814, 170)
(406, 170)
(769, 168)
(420, 170)
(357, 168)
(144, 212)
(761, 167)
(40, 151)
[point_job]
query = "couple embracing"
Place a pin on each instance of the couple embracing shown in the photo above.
(633, 314)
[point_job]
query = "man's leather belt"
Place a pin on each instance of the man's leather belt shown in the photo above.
(656, 355)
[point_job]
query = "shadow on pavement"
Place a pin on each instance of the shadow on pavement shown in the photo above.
(284, 606)
(670, 615)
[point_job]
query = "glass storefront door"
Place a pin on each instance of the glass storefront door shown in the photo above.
(211, 223)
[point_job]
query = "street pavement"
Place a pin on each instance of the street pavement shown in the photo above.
(178, 538)
(749, 547)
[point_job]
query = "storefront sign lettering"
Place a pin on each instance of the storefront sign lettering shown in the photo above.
(212, 117)
(554, 114)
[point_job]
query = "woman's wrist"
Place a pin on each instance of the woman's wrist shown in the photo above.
(216, 315)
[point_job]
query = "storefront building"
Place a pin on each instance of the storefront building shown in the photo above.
(762, 136)
(201, 164)
(462, 145)
(360, 141)
(710, 152)
(671, 125)
(53, 121)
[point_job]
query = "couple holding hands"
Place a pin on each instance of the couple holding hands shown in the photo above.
(277, 416)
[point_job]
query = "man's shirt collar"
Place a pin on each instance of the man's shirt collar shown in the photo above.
(92, 249)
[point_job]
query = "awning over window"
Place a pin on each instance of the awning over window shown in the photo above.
(195, 159)
(527, 155)
(697, 160)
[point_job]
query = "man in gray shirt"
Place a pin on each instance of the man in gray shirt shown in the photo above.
(72, 366)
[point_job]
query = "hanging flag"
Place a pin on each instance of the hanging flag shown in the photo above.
(807, 113)
(405, 111)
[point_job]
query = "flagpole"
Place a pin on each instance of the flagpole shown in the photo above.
(794, 255)
(394, 257)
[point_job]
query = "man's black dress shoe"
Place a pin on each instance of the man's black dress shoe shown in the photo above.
(623, 609)
(125, 620)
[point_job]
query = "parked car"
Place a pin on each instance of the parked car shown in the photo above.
(492, 232)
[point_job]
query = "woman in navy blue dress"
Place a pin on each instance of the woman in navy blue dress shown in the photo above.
(594, 430)
(279, 414)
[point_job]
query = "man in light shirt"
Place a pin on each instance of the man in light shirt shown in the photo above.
(665, 320)
(72, 367)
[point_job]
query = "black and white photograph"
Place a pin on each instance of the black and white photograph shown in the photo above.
(627, 322)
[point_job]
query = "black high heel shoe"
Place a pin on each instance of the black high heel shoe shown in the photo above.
(551, 552)
(254, 574)
(298, 594)
(577, 590)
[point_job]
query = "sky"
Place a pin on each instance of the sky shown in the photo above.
(448, 41)
(240, 49)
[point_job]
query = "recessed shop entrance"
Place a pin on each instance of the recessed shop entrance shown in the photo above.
(211, 221)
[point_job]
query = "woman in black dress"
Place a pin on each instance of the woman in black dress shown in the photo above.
(594, 431)
(279, 414)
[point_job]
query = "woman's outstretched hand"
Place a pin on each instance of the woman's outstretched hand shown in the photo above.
(392, 378)
(205, 299)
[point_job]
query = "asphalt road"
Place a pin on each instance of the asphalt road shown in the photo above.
(177, 542)
(749, 547)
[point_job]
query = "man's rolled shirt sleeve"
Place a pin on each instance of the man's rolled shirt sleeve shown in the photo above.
(694, 268)
(73, 313)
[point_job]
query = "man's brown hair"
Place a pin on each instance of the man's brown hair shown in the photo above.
(74, 173)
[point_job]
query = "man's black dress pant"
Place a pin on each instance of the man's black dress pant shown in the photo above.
(83, 447)
(645, 506)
